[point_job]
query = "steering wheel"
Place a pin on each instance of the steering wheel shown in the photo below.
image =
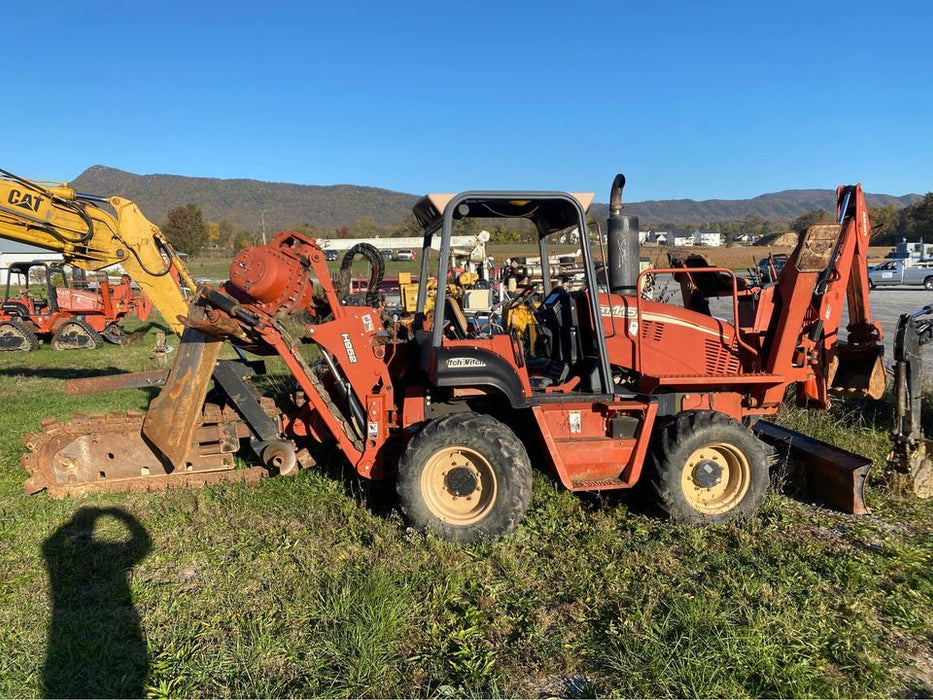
(523, 296)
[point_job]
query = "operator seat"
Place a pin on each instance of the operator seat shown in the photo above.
(557, 315)
(588, 368)
(557, 318)
(455, 318)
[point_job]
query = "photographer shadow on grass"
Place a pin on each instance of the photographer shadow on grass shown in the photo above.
(96, 646)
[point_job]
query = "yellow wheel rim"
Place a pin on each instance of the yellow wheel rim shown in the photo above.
(716, 478)
(459, 485)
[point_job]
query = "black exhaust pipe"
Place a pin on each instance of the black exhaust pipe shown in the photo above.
(622, 239)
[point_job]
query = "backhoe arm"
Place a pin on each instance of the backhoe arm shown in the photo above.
(855, 367)
(909, 463)
(55, 217)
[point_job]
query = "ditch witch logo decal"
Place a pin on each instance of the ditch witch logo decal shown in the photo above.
(464, 362)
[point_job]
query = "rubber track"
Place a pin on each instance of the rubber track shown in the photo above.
(95, 337)
(25, 329)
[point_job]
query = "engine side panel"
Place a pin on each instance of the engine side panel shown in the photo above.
(671, 340)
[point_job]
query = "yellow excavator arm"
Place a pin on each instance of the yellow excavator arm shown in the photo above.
(55, 217)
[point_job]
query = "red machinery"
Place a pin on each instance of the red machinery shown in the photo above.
(616, 389)
(71, 314)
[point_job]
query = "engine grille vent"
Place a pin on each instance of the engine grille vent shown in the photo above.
(719, 360)
(652, 330)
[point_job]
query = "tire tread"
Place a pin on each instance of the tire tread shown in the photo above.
(665, 466)
(465, 427)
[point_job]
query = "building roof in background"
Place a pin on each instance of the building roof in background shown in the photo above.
(17, 247)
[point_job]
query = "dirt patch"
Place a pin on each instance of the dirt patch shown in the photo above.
(786, 239)
(738, 258)
(918, 678)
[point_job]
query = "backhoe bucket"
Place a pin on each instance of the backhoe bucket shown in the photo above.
(134, 338)
(830, 474)
(857, 371)
(910, 468)
(175, 414)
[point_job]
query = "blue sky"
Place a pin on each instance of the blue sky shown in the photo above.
(688, 99)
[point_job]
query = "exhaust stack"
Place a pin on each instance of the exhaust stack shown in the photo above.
(622, 239)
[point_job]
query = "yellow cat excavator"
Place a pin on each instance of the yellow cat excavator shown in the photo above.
(94, 232)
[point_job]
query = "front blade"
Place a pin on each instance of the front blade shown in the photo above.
(831, 474)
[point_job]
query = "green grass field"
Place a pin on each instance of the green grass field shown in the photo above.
(313, 586)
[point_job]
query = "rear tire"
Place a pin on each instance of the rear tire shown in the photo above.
(17, 335)
(466, 477)
(706, 467)
(76, 334)
(928, 283)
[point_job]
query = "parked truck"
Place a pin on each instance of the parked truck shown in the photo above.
(900, 272)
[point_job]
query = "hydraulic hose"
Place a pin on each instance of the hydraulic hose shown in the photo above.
(377, 269)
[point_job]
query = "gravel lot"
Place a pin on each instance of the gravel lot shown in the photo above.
(886, 307)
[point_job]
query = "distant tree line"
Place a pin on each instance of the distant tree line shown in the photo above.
(913, 222)
(189, 232)
(888, 224)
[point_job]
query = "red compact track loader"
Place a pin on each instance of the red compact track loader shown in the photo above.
(614, 390)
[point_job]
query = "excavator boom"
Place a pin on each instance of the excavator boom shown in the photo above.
(55, 217)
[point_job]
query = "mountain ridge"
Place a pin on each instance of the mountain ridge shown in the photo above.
(245, 202)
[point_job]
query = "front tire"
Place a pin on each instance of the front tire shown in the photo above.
(928, 283)
(466, 477)
(707, 468)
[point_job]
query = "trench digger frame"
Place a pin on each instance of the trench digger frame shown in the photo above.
(376, 394)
